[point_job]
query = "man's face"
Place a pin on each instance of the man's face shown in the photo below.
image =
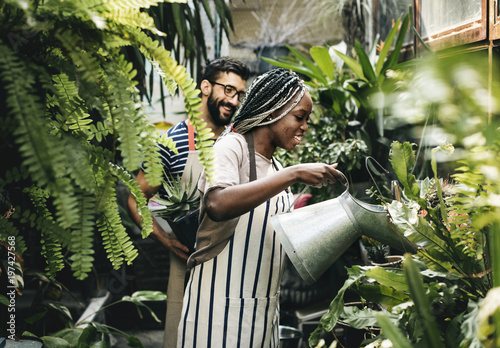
(220, 106)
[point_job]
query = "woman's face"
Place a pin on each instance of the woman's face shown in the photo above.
(288, 132)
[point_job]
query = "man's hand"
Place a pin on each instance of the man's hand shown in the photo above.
(171, 244)
(158, 234)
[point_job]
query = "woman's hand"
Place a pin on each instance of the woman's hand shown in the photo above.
(318, 174)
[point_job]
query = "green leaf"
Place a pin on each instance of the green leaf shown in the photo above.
(356, 68)
(55, 342)
(422, 305)
(322, 57)
(329, 319)
(61, 309)
(138, 297)
(133, 341)
(359, 318)
(148, 295)
(35, 317)
(70, 335)
(392, 278)
(4, 300)
(382, 295)
(318, 74)
(366, 65)
(387, 46)
(392, 332)
(87, 337)
(394, 57)
(100, 344)
(291, 66)
(402, 159)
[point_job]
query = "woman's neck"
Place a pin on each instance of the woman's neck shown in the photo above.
(262, 141)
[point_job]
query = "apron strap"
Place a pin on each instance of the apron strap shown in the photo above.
(190, 135)
(251, 152)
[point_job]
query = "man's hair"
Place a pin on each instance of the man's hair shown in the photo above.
(215, 67)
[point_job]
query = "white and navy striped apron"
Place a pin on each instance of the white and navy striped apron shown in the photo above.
(233, 300)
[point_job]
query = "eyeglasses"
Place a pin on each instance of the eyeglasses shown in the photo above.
(230, 91)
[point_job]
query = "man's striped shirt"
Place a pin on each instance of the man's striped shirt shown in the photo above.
(173, 164)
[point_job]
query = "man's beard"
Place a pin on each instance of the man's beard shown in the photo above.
(213, 108)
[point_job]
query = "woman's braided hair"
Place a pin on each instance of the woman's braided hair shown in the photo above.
(267, 93)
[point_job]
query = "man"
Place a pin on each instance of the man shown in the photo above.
(222, 88)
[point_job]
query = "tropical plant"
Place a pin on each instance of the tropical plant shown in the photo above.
(73, 126)
(181, 200)
(437, 293)
(84, 331)
(443, 294)
(346, 125)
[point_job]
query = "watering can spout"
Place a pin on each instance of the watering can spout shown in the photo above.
(315, 236)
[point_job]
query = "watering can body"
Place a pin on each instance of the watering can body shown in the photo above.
(315, 236)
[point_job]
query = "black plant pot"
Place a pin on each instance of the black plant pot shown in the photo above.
(185, 228)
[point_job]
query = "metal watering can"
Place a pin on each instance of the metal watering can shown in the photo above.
(315, 236)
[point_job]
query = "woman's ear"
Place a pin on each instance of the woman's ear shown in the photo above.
(205, 87)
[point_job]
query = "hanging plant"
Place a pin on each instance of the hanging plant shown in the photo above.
(74, 126)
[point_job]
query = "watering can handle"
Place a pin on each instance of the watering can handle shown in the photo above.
(346, 181)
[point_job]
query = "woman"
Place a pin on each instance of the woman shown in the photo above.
(231, 298)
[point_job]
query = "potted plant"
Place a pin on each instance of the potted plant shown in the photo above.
(442, 295)
(180, 209)
(450, 272)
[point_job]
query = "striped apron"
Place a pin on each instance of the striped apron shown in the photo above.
(177, 273)
(232, 300)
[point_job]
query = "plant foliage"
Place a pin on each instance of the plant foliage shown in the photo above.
(348, 120)
(74, 127)
(442, 297)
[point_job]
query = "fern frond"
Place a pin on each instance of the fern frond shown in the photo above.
(84, 10)
(158, 56)
(24, 105)
(136, 4)
(78, 165)
(167, 65)
(68, 107)
(43, 158)
(132, 17)
(12, 175)
(105, 182)
(8, 229)
(98, 131)
(115, 240)
(168, 142)
(142, 204)
(120, 97)
(51, 251)
(51, 248)
(152, 162)
(87, 65)
(82, 238)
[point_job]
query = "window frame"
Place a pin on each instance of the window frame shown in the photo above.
(472, 32)
(494, 20)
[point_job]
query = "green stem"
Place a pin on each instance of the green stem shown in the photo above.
(494, 243)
